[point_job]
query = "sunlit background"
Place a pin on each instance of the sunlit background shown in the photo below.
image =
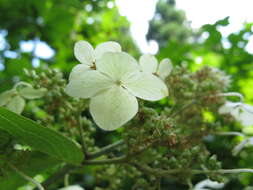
(198, 12)
(140, 12)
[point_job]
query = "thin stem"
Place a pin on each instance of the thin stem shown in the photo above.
(26, 177)
(66, 180)
(224, 171)
(83, 144)
(58, 175)
(231, 133)
(116, 160)
(158, 183)
(241, 145)
(232, 94)
(106, 149)
(164, 173)
(68, 168)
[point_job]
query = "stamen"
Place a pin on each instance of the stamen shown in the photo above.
(93, 66)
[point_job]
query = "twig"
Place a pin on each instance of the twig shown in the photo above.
(232, 94)
(58, 175)
(80, 128)
(106, 149)
(164, 173)
(224, 171)
(241, 145)
(68, 168)
(26, 177)
(66, 180)
(116, 160)
(231, 133)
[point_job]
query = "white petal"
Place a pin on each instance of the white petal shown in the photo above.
(31, 93)
(72, 187)
(148, 63)
(17, 104)
(84, 52)
(248, 108)
(164, 68)
(147, 87)
(117, 65)
(207, 183)
(113, 108)
(6, 96)
(78, 71)
(246, 116)
(230, 107)
(106, 47)
(88, 85)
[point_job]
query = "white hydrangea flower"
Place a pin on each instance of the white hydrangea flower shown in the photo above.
(241, 112)
(14, 99)
(72, 187)
(87, 55)
(113, 88)
(149, 64)
(207, 184)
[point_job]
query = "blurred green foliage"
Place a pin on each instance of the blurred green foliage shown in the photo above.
(58, 23)
(169, 24)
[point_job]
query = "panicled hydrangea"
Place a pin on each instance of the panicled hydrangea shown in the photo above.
(113, 79)
(240, 111)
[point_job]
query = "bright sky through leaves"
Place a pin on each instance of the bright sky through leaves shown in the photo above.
(198, 12)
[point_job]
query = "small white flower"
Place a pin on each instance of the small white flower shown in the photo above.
(241, 112)
(149, 64)
(113, 88)
(208, 184)
(87, 55)
(72, 187)
(14, 99)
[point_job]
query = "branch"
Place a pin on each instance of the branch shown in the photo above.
(232, 133)
(26, 177)
(232, 94)
(164, 173)
(80, 128)
(68, 168)
(224, 171)
(58, 175)
(116, 160)
(106, 149)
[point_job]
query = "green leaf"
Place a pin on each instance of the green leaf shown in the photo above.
(30, 163)
(31, 93)
(16, 104)
(40, 138)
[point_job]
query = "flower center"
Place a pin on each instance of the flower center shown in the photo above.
(118, 83)
(93, 66)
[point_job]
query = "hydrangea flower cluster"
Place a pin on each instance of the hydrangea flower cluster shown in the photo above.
(114, 80)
